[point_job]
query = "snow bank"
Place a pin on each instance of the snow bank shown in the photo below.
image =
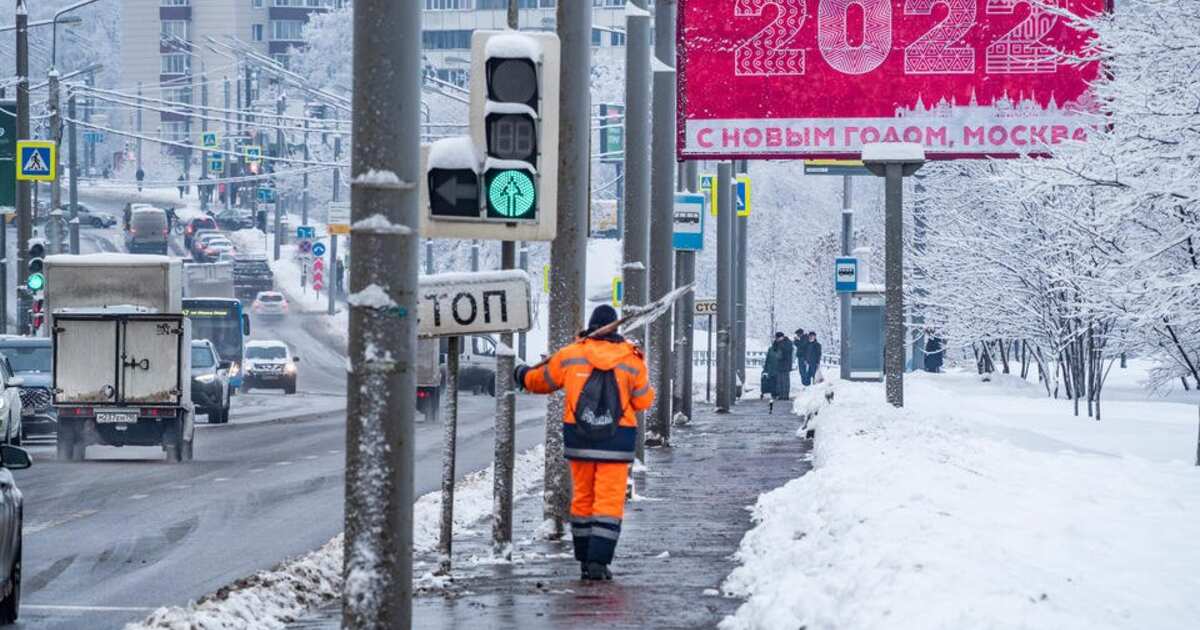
(978, 507)
(269, 600)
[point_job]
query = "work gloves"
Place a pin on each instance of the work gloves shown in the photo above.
(519, 373)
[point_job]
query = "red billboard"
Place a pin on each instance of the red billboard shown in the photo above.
(819, 78)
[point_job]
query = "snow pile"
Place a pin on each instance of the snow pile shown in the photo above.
(271, 599)
(979, 507)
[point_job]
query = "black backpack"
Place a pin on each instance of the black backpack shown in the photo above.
(598, 411)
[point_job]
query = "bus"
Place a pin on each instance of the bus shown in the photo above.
(221, 321)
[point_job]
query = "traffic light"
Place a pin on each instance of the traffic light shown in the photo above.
(35, 279)
(37, 312)
(501, 182)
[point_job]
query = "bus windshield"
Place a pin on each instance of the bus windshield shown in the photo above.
(219, 321)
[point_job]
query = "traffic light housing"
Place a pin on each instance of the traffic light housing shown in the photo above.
(500, 183)
(35, 277)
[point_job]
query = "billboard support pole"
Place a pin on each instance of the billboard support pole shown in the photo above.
(844, 298)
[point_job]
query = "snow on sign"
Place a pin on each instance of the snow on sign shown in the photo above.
(473, 303)
(821, 78)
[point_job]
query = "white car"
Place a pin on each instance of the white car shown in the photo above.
(270, 304)
(10, 405)
(269, 364)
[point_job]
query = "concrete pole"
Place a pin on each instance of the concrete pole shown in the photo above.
(569, 248)
(139, 129)
(725, 296)
(203, 129)
(72, 166)
(24, 205)
(635, 220)
(280, 106)
(662, 209)
(55, 104)
(304, 200)
(381, 390)
(847, 248)
(893, 267)
(685, 273)
(743, 238)
(228, 132)
(506, 408)
(449, 450)
(332, 268)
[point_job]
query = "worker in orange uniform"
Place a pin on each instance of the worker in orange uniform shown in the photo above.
(606, 385)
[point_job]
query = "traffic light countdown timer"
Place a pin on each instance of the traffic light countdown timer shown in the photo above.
(500, 183)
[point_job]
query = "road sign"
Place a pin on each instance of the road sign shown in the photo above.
(216, 164)
(618, 291)
(688, 233)
(253, 154)
(797, 78)
(612, 133)
(318, 283)
(305, 232)
(319, 263)
(705, 306)
(36, 160)
(266, 194)
(846, 275)
(835, 167)
(93, 137)
(339, 217)
(318, 250)
(8, 153)
(304, 245)
(741, 192)
(469, 303)
(545, 278)
(209, 140)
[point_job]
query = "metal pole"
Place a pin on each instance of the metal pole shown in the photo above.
(54, 104)
(894, 338)
(847, 248)
(428, 256)
(725, 297)
(449, 449)
(523, 264)
(662, 208)
(743, 250)
(139, 130)
(569, 248)
(685, 315)
(918, 277)
(203, 129)
(635, 220)
(24, 206)
(709, 362)
(228, 131)
(381, 390)
(506, 414)
(513, 15)
(72, 166)
(474, 255)
(304, 200)
(332, 272)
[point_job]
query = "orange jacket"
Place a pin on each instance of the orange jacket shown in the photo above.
(569, 370)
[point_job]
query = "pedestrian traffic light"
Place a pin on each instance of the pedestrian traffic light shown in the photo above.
(35, 278)
(501, 182)
(37, 312)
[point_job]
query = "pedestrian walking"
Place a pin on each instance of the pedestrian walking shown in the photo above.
(182, 187)
(934, 352)
(770, 377)
(800, 342)
(141, 176)
(606, 384)
(783, 369)
(812, 357)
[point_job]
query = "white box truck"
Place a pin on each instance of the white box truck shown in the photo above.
(122, 354)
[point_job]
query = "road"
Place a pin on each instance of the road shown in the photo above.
(108, 540)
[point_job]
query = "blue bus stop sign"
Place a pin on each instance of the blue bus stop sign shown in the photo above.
(846, 275)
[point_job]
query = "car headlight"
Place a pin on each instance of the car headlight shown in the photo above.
(290, 368)
(205, 378)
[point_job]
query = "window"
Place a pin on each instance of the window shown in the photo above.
(176, 28)
(176, 63)
(446, 40)
(448, 5)
(503, 4)
(287, 30)
(455, 76)
(175, 130)
(257, 4)
(597, 37)
(281, 59)
(618, 39)
(256, 32)
(608, 3)
(177, 95)
(176, 3)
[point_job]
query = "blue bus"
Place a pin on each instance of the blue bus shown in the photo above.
(221, 321)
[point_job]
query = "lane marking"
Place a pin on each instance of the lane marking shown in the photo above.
(87, 608)
(44, 525)
(310, 457)
(283, 463)
(257, 469)
(334, 452)
(220, 479)
(138, 496)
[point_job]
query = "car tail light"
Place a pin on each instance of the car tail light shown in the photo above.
(75, 412)
(155, 412)
(422, 393)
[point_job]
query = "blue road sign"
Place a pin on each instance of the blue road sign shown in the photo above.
(35, 160)
(305, 232)
(688, 231)
(318, 249)
(845, 275)
(266, 195)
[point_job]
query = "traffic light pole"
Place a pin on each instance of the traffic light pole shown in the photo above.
(635, 224)
(569, 248)
(55, 134)
(381, 389)
(72, 164)
(725, 298)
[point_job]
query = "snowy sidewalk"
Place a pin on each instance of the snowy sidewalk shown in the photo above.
(675, 548)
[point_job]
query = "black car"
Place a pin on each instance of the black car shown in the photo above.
(11, 520)
(232, 220)
(31, 358)
(210, 382)
(251, 275)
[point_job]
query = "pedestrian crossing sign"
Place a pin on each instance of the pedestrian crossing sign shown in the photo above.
(209, 139)
(36, 160)
(253, 154)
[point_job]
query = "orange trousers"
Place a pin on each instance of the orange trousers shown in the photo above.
(597, 508)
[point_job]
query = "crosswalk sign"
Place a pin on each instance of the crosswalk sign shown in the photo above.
(36, 160)
(741, 193)
(209, 139)
(253, 154)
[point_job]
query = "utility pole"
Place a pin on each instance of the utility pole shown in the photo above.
(742, 253)
(685, 274)
(280, 106)
(139, 130)
(72, 166)
(304, 199)
(847, 248)
(54, 104)
(635, 220)
(725, 297)
(662, 209)
(569, 248)
(334, 276)
(228, 131)
(506, 407)
(204, 129)
(916, 315)
(381, 390)
(24, 206)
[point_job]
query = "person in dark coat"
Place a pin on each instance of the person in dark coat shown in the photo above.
(769, 378)
(800, 342)
(812, 356)
(783, 370)
(934, 352)
(141, 176)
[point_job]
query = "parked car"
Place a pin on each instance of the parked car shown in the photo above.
(270, 364)
(31, 359)
(233, 219)
(147, 230)
(210, 382)
(270, 304)
(12, 507)
(95, 218)
(194, 226)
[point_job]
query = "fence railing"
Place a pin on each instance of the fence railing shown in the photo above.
(755, 358)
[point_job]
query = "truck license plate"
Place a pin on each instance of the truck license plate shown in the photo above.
(110, 417)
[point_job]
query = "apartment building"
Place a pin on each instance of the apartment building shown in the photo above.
(165, 47)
